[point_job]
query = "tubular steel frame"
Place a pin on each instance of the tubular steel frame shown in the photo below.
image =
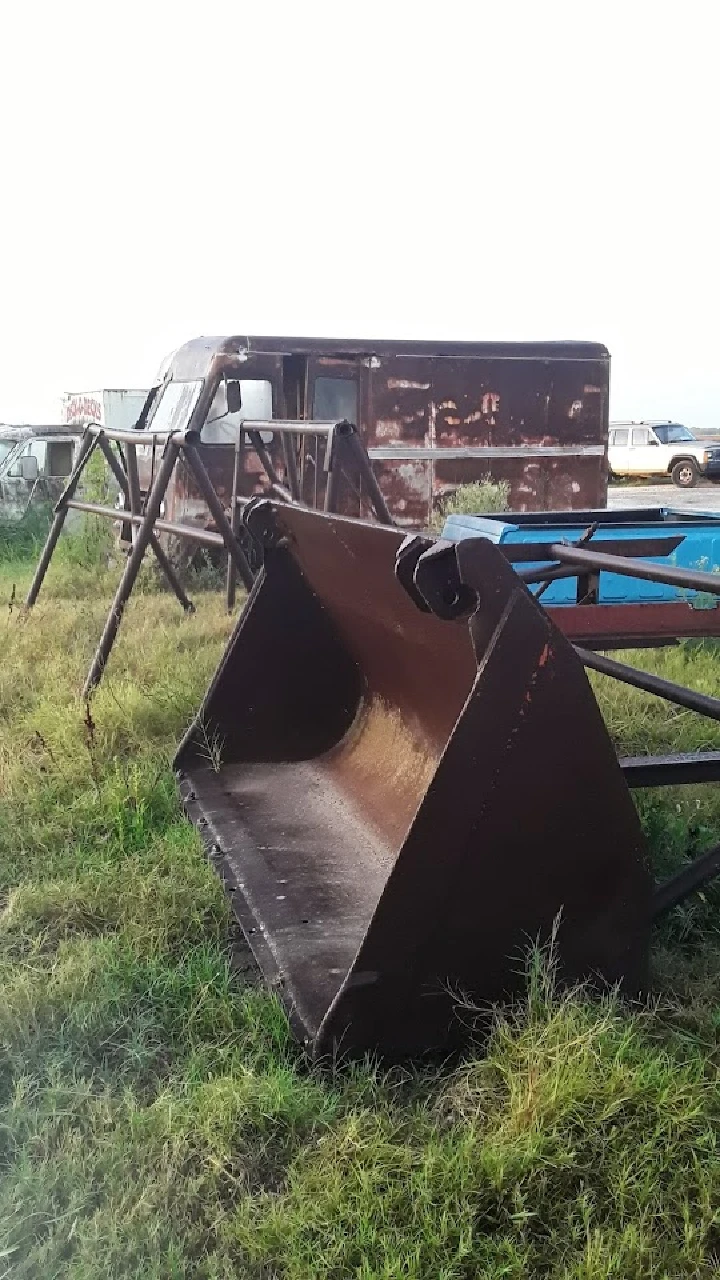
(343, 451)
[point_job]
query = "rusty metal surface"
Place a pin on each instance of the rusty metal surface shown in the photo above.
(194, 358)
(432, 416)
(505, 402)
(628, 626)
(361, 813)
(263, 468)
(682, 769)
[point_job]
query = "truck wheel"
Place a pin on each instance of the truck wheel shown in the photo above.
(685, 473)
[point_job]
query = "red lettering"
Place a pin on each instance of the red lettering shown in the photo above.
(83, 409)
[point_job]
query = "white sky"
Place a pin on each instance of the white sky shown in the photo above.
(397, 169)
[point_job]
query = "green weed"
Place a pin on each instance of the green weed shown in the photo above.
(22, 540)
(482, 497)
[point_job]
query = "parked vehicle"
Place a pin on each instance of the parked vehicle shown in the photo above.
(432, 415)
(35, 461)
(651, 449)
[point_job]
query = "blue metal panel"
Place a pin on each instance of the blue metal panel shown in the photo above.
(700, 548)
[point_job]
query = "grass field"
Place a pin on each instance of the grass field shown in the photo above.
(157, 1121)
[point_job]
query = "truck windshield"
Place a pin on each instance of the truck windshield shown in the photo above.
(673, 433)
(5, 448)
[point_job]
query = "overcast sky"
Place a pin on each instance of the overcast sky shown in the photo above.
(475, 170)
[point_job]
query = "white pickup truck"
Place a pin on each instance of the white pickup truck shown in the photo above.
(661, 449)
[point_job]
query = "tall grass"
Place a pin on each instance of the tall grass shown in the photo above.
(22, 540)
(157, 1121)
(482, 497)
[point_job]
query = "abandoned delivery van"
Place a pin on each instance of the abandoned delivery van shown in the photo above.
(432, 416)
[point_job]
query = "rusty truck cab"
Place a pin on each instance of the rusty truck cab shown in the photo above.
(432, 416)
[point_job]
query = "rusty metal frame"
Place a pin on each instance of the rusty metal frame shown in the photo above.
(343, 451)
(132, 566)
(635, 626)
(231, 578)
(145, 523)
(130, 488)
(344, 454)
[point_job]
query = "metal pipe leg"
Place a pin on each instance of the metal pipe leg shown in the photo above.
(231, 580)
(130, 487)
(168, 569)
(217, 511)
(334, 472)
(86, 447)
(132, 567)
(356, 450)
(695, 876)
(133, 484)
(288, 442)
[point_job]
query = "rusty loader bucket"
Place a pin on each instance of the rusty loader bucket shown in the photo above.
(403, 774)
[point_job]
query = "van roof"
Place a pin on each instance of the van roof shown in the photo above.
(28, 432)
(423, 347)
(193, 358)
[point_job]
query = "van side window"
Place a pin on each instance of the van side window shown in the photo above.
(335, 399)
(221, 427)
(256, 395)
(38, 449)
(620, 437)
(640, 436)
(60, 456)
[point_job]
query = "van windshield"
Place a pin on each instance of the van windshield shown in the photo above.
(672, 433)
(174, 408)
(5, 447)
